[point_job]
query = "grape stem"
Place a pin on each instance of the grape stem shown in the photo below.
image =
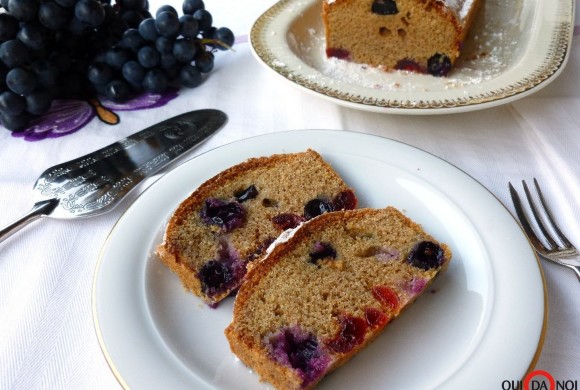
(206, 41)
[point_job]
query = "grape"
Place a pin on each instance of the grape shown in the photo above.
(204, 19)
(190, 6)
(190, 76)
(23, 10)
(53, 16)
(164, 45)
(204, 61)
(132, 39)
(168, 61)
(38, 102)
(8, 27)
(147, 30)
(118, 90)
(134, 18)
(133, 72)
(172, 73)
(166, 8)
(155, 81)
(100, 73)
(167, 24)
(148, 57)
(224, 35)
(209, 33)
(32, 35)
(184, 50)
(15, 122)
(46, 73)
(117, 56)
(14, 53)
(21, 81)
(189, 26)
(11, 103)
(90, 12)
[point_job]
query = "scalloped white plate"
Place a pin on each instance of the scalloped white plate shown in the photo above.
(482, 323)
(515, 48)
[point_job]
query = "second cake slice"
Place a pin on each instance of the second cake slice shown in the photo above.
(322, 295)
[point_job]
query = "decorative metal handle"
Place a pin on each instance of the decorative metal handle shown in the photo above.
(39, 209)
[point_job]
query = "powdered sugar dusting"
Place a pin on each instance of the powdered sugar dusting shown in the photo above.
(492, 46)
(460, 7)
(283, 237)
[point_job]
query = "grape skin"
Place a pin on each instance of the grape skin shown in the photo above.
(167, 24)
(90, 12)
(14, 53)
(53, 16)
(12, 103)
(23, 10)
(21, 81)
(190, 6)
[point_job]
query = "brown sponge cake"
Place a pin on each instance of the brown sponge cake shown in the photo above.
(318, 298)
(418, 35)
(233, 217)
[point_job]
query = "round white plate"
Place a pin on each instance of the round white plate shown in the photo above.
(514, 48)
(482, 322)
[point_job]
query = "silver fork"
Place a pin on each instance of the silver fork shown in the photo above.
(554, 251)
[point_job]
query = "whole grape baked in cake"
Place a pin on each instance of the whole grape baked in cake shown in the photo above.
(424, 36)
(321, 296)
(233, 217)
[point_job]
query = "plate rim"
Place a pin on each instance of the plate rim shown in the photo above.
(96, 322)
(547, 71)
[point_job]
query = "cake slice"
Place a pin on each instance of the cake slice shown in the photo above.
(233, 217)
(419, 35)
(321, 296)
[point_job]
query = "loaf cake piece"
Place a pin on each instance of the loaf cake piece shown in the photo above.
(424, 36)
(233, 217)
(321, 296)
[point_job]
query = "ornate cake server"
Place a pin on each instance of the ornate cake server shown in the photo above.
(93, 184)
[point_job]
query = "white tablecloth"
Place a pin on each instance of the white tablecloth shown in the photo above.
(47, 335)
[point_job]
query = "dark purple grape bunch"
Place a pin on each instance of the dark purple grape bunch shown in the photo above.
(45, 48)
(161, 51)
(55, 49)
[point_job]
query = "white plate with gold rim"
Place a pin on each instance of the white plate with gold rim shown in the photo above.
(482, 323)
(515, 48)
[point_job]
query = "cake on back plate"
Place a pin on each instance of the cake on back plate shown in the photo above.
(233, 217)
(424, 36)
(321, 296)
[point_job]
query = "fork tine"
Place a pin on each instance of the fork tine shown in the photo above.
(524, 220)
(538, 218)
(557, 230)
